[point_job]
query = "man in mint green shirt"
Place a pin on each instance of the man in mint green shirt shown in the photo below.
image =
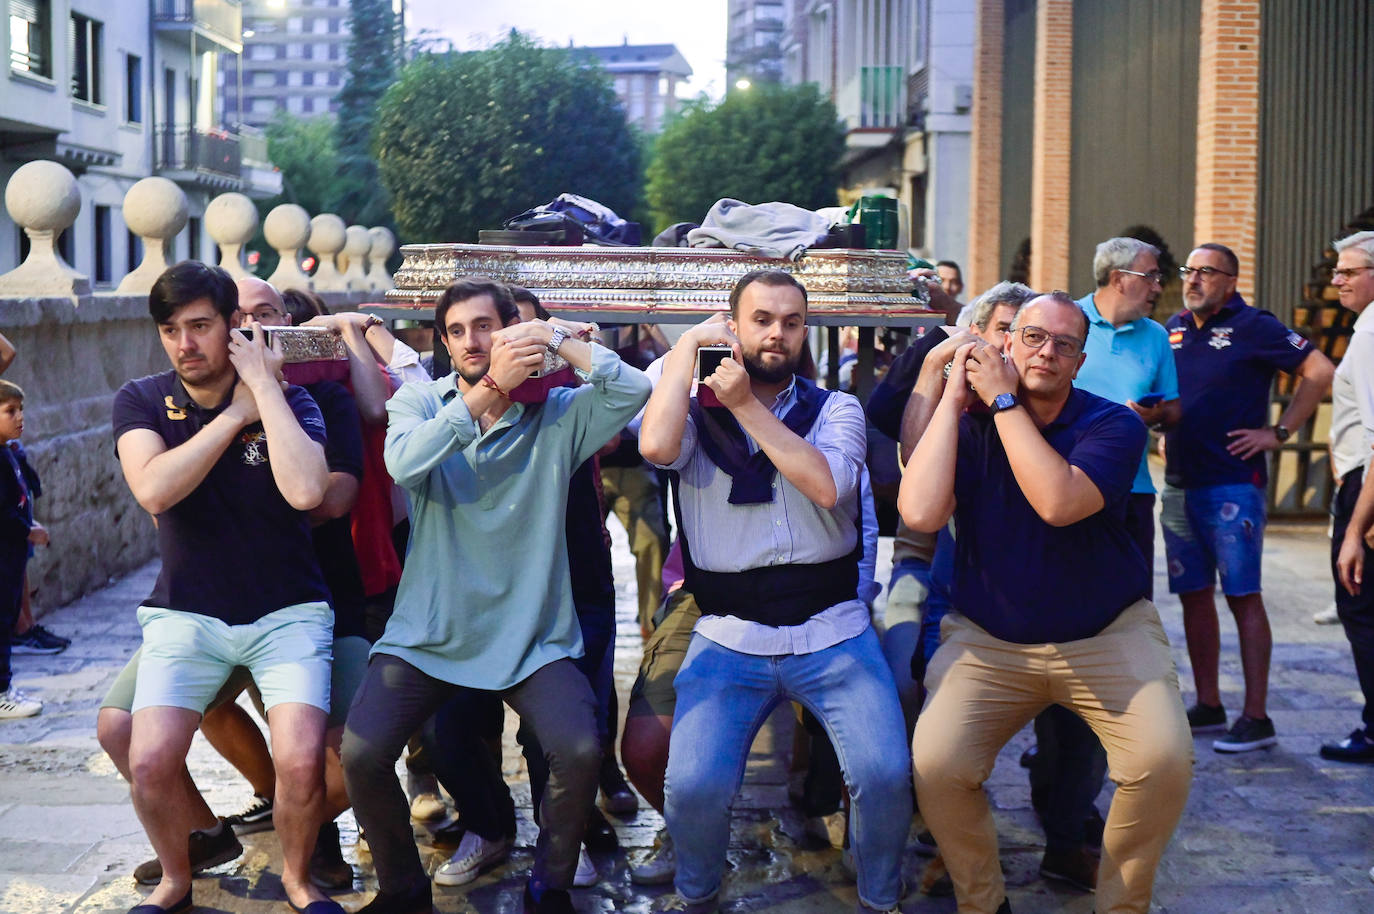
(484, 601)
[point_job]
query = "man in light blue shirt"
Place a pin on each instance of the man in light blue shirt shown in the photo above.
(485, 599)
(769, 504)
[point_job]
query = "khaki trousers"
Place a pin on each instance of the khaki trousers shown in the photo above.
(632, 494)
(983, 690)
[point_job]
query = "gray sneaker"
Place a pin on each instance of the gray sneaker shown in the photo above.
(208, 849)
(659, 866)
(257, 816)
(1246, 735)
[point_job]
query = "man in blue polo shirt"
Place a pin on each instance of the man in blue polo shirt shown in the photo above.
(229, 461)
(1213, 508)
(1051, 608)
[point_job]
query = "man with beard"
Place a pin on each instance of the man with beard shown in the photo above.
(769, 504)
(487, 479)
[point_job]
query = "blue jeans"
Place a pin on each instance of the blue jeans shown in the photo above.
(724, 696)
(1211, 532)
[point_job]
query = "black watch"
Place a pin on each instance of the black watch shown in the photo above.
(1003, 402)
(1281, 433)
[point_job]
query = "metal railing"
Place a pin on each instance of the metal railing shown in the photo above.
(880, 97)
(188, 149)
(223, 18)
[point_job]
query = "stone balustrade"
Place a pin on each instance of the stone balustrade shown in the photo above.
(76, 348)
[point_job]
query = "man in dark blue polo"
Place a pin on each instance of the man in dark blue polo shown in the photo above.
(1049, 587)
(229, 461)
(1213, 505)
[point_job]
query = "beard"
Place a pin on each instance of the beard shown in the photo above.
(473, 376)
(763, 373)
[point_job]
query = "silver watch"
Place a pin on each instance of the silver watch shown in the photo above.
(556, 340)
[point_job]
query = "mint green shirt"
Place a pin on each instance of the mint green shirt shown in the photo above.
(484, 600)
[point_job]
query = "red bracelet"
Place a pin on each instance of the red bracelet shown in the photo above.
(488, 381)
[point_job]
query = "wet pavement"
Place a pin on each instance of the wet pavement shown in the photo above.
(1278, 830)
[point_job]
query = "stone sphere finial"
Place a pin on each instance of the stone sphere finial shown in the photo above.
(44, 198)
(231, 219)
(287, 229)
(357, 245)
(327, 238)
(155, 210)
(383, 245)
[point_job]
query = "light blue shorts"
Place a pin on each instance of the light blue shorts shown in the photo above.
(1211, 532)
(186, 656)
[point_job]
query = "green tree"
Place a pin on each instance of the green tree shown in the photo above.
(303, 150)
(374, 53)
(464, 141)
(769, 142)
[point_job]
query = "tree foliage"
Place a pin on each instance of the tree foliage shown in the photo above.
(304, 150)
(374, 52)
(770, 142)
(464, 141)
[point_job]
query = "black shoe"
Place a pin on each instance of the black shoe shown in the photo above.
(417, 899)
(552, 901)
(1356, 747)
(616, 795)
(323, 906)
(328, 868)
(925, 845)
(38, 640)
(1028, 757)
(1077, 868)
(181, 907)
(1004, 907)
(256, 817)
(1206, 718)
(1247, 734)
(208, 849)
(600, 837)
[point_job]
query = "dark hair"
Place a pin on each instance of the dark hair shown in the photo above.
(1229, 255)
(520, 294)
(767, 278)
(1061, 297)
(10, 392)
(951, 264)
(190, 281)
(302, 305)
(471, 287)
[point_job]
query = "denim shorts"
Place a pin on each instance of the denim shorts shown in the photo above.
(1211, 532)
(187, 657)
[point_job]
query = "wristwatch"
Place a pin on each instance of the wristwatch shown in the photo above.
(1003, 402)
(372, 321)
(556, 340)
(1281, 433)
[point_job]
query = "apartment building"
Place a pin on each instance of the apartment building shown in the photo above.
(645, 77)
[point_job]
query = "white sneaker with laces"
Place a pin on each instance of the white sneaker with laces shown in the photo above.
(659, 866)
(15, 704)
(474, 854)
(586, 874)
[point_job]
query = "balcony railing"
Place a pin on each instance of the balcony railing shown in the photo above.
(220, 19)
(213, 153)
(874, 98)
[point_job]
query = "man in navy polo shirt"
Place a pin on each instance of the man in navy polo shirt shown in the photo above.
(1213, 506)
(229, 461)
(1049, 588)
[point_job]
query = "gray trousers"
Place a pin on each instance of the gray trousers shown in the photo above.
(395, 699)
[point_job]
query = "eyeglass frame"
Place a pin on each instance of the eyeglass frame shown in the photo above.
(1152, 276)
(1348, 273)
(1185, 271)
(1059, 340)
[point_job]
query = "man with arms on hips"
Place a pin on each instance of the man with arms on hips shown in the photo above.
(230, 461)
(1213, 506)
(1049, 591)
(487, 479)
(770, 512)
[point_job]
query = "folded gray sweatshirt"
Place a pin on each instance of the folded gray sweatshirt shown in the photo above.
(768, 229)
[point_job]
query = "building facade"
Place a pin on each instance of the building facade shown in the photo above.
(753, 43)
(116, 96)
(645, 78)
(295, 60)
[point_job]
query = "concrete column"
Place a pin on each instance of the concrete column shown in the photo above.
(983, 266)
(231, 219)
(383, 244)
(357, 244)
(1228, 132)
(43, 199)
(327, 237)
(1051, 158)
(287, 228)
(154, 210)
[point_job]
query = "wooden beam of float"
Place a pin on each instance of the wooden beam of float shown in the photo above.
(846, 288)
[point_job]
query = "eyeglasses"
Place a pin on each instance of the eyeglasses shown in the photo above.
(264, 314)
(1067, 347)
(1205, 272)
(1348, 274)
(1152, 276)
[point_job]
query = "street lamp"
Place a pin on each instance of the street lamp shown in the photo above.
(743, 84)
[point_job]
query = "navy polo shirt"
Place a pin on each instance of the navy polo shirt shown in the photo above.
(233, 549)
(1022, 579)
(1225, 370)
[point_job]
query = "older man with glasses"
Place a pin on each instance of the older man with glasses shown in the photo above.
(1050, 592)
(1213, 506)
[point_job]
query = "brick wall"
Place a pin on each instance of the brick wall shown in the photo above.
(985, 165)
(1052, 154)
(1228, 131)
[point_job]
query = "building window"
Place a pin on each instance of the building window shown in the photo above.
(193, 238)
(83, 40)
(103, 273)
(133, 89)
(133, 252)
(30, 36)
(307, 79)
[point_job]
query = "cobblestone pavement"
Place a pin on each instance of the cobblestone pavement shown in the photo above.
(1271, 831)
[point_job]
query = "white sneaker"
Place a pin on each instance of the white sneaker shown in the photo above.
(659, 866)
(1326, 616)
(586, 874)
(474, 854)
(16, 704)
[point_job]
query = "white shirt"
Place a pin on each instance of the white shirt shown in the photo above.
(1352, 400)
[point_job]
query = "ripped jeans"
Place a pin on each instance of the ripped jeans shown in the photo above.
(1214, 531)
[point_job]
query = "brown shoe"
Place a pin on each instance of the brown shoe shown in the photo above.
(1077, 868)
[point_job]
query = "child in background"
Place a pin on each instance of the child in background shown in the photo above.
(18, 531)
